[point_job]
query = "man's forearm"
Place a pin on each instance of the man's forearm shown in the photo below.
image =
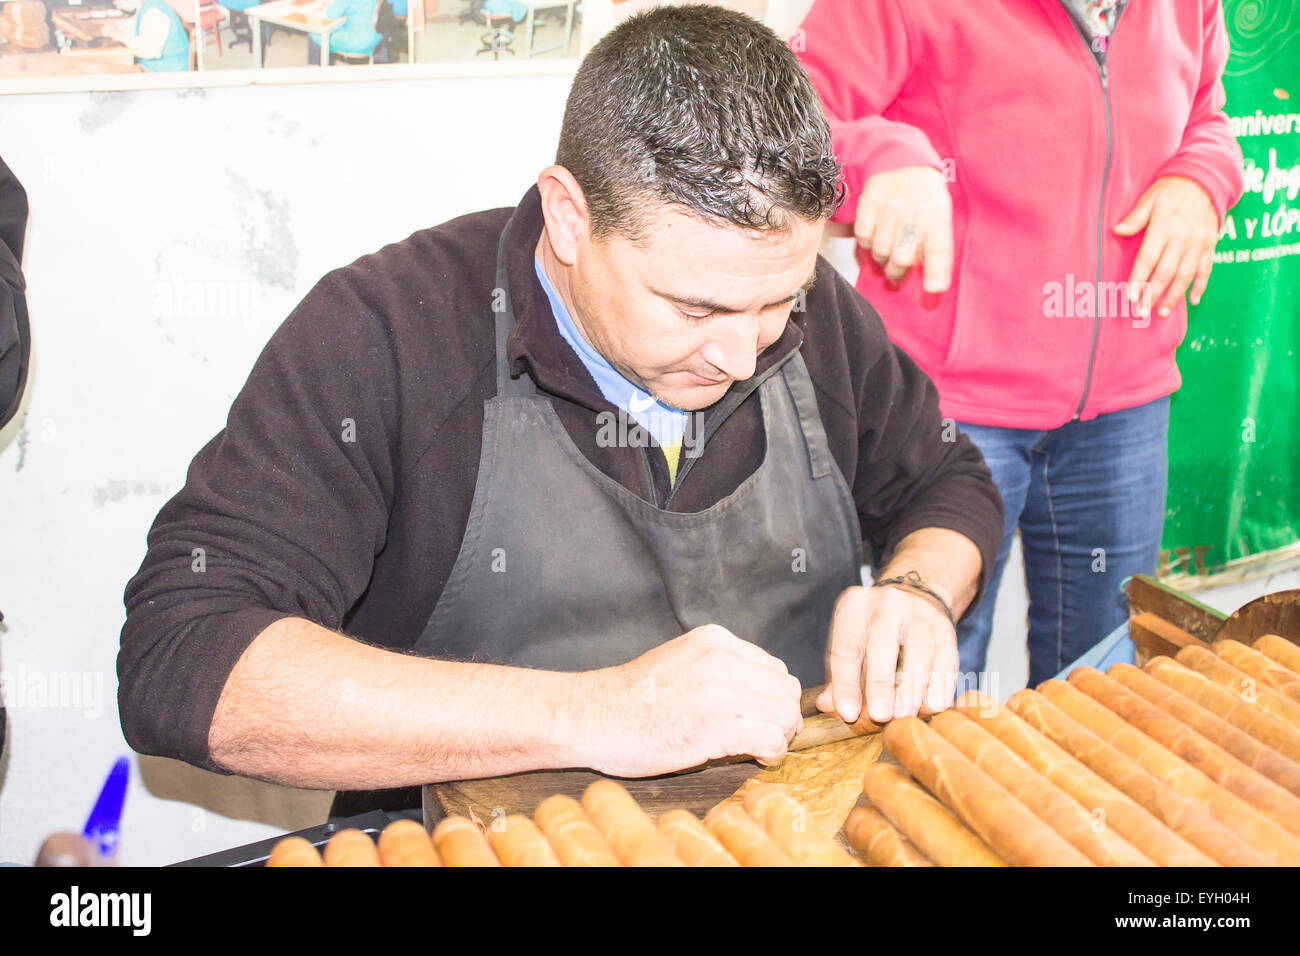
(946, 560)
(308, 707)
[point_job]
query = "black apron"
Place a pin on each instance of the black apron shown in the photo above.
(563, 568)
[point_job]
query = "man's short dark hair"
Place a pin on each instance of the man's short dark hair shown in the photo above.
(703, 108)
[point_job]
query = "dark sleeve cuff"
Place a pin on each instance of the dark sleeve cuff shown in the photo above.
(171, 677)
(979, 528)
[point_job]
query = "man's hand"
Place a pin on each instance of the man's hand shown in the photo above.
(873, 632)
(1182, 228)
(905, 216)
(704, 695)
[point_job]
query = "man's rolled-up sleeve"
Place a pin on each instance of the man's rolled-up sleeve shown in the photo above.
(281, 515)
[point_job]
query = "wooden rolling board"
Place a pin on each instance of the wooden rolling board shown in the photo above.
(697, 791)
(521, 793)
(827, 780)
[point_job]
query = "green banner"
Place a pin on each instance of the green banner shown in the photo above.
(1234, 436)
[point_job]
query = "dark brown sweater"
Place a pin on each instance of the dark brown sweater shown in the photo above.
(361, 535)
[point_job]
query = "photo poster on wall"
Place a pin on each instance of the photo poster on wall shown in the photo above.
(1234, 431)
(1234, 481)
(61, 45)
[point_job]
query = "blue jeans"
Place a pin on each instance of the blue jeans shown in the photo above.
(1089, 499)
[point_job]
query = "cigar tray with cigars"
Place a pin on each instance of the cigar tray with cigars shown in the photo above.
(1190, 757)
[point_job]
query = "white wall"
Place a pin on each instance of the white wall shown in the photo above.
(170, 233)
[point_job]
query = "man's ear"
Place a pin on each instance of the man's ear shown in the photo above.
(568, 224)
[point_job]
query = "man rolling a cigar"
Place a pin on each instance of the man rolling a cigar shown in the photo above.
(585, 482)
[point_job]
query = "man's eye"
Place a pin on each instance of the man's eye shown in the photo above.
(697, 316)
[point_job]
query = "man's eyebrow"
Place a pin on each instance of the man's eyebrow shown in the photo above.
(708, 305)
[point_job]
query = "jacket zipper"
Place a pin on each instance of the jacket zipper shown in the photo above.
(1101, 202)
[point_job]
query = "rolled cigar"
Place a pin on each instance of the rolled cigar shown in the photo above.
(1281, 650)
(1110, 806)
(1225, 806)
(925, 821)
(692, 841)
(786, 821)
(1281, 770)
(1247, 687)
(405, 843)
(1245, 716)
(294, 851)
(1003, 822)
(829, 729)
(1184, 742)
(1187, 817)
(818, 729)
(1049, 802)
(351, 847)
(573, 837)
(460, 842)
(518, 842)
(743, 837)
(1261, 666)
(630, 833)
(878, 842)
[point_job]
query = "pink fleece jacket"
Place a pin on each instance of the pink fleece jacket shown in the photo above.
(1043, 161)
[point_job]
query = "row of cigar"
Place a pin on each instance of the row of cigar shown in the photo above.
(607, 828)
(1191, 761)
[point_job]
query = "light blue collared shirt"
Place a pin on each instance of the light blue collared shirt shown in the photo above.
(666, 424)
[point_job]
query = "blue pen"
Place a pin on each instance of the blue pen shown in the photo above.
(103, 825)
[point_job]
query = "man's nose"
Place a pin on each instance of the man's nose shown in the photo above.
(734, 347)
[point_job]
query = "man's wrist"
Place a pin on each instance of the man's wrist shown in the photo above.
(914, 583)
(903, 571)
(946, 560)
(577, 728)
